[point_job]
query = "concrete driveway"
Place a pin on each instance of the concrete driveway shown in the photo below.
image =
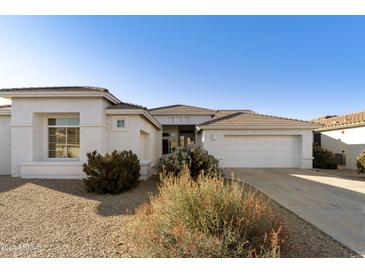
(335, 205)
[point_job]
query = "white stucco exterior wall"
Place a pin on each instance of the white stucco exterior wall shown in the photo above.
(140, 136)
(350, 141)
(5, 154)
(29, 138)
(332, 144)
(213, 140)
(29, 114)
(349, 136)
(352, 152)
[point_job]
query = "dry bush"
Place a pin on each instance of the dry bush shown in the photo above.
(207, 217)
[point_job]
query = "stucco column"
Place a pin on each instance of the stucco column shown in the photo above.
(307, 150)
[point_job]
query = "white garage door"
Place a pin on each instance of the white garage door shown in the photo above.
(261, 151)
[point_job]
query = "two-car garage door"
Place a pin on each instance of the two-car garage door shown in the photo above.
(261, 151)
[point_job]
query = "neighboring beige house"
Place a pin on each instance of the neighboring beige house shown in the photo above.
(343, 135)
(47, 131)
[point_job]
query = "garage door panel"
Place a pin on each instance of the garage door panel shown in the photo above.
(261, 151)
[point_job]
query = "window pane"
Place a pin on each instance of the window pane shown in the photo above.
(61, 150)
(73, 151)
(73, 121)
(73, 135)
(51, 154)
(52, 131)
(120, 123)
(51, 122)
(51, 146)
(60, 154)
(61, 121)
(52, 138)
(61, 135)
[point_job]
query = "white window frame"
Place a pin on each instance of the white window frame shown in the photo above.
(115, 122)
(62, 126)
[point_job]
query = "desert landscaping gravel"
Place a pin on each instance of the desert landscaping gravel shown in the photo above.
(57, 218)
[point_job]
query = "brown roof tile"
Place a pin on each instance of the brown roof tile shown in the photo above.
(242, 118)
(348, 120)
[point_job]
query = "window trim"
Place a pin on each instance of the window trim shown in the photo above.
(115, 123)
(66, 143)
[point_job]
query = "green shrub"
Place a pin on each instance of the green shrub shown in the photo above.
(206, 217)
(197, 159)
(323, 158)
(360, 162)
(111, 173)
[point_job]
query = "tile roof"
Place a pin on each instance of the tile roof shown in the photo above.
(181, 110)
(242, 118)
(125, 105)
(58, 88)
(224, 112)
(345, 121)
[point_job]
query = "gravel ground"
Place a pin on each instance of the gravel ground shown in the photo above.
(57, 218)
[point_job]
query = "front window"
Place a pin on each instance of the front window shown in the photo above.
(120, 123)
(64, 138)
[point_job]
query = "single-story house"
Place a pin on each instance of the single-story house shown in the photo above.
(46, 133)
(343, 135)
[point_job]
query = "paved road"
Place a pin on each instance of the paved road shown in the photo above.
(335, 205)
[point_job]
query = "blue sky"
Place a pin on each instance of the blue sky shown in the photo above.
(293, 66)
